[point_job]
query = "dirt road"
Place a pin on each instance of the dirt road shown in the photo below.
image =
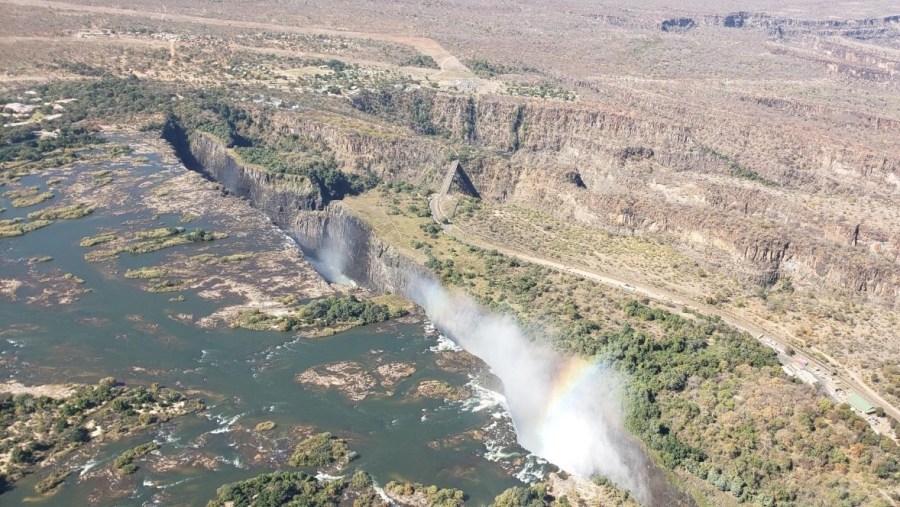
(446, 60)
(758, 331)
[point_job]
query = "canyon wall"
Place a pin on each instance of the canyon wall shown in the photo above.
(354, 247)
(280, 195)
(297, 209)
(760, 214)
(745, 213)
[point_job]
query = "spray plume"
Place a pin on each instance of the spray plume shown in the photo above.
(565, 409)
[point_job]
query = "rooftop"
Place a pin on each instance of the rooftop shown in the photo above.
(860, 404)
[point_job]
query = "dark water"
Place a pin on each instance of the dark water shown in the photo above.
(246, 377)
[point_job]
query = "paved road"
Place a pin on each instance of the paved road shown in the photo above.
(760, 332)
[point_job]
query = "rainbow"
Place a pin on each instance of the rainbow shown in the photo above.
(573, 373)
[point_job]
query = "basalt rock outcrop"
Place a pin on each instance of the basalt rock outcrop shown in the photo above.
(360, 254)
(733, 206)
(280, 195)
(297, 208)
(758, 214)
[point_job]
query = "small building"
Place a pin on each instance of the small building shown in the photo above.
(860, 404)
(807, 378)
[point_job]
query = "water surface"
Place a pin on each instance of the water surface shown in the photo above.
(115, 328)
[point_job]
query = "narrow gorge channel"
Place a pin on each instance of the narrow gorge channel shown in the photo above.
(564, 409)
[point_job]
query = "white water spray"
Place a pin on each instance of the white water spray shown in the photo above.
(565, 410)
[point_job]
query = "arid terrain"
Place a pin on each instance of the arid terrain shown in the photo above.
(573, 165)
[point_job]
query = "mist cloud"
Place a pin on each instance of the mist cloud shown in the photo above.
(565, 410)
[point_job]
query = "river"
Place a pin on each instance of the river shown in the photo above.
(117, 329)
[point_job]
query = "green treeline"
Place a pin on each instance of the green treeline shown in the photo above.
(336, 310)
(212, 111)
(702, 396)
(276, 489)
(274, 152)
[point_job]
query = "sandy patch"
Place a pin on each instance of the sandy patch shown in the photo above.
(347, 377)
(58, 391)
(391, 373)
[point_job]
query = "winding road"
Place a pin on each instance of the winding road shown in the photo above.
(760, 332)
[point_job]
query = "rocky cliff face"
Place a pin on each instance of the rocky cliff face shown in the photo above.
(760, 214)
(280, 196)
(332, 233)
(350, 244)
(390, 152)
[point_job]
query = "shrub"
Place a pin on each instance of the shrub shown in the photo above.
(423, 61)
(320, 450)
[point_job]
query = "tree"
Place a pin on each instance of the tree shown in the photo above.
(78, 434)
(737, 486)
(722, 483)
(20, 455)
(886, 468)
(534, 496)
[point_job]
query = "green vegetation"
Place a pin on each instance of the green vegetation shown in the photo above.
(284, 154)
(104, 98)
(124, 463)
(277, 489)
(705, 398)
(159, 233)
(36, 428)
(266, 426)
(433, 496)
(90, 241)
(438, 389)
(486, 69)
(267, 158)
(361, 479)
(70, 212)
(146, 273)
(199, 236)
(104, 177)
(259, 321)
(741, 171)
(50, 483)
(167, 286)
(350, 309)
(335, 184)
(543, 91)
(22, 143)
(26, 201)
(333, 311)
(238, 257)
(111, 98)
(321, 450)
(690, 360)
(155, 245)
(76, 279)
(302, 489)
(160, 239)
(18, 227)
(520, 496)
(323, 173)
(411, 109)
(420, 60)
